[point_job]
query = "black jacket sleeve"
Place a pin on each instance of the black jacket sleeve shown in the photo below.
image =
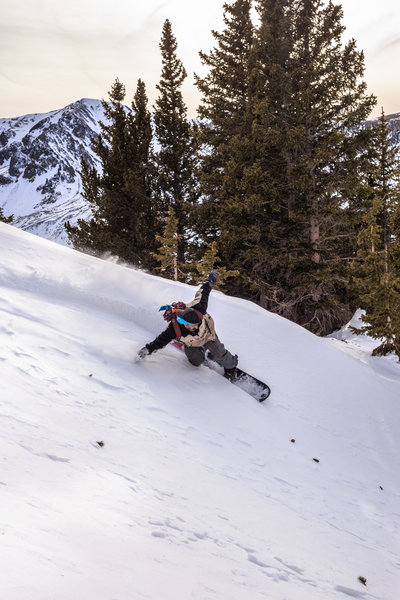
(201, 306)
(163, 339)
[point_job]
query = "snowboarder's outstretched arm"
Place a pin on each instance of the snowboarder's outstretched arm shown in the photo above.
(159, 342)
(204, 292)
(162, 340)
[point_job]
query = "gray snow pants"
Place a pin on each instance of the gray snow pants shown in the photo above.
(197, 354)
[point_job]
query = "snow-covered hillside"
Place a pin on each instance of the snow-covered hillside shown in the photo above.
(40, 159)
(157, 480)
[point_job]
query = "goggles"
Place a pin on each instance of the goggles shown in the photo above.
(183, 322)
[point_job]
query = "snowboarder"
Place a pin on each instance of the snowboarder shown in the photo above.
(197, 333)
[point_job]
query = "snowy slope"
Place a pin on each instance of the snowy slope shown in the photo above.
(196, 490)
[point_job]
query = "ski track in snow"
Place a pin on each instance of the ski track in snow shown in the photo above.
(156, 479)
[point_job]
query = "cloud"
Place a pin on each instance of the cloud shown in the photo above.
(388, 43)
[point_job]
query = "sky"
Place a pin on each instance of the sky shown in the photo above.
(55, 52)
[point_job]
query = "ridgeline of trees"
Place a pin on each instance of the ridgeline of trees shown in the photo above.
(280, 183)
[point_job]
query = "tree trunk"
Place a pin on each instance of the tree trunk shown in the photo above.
(314, 239)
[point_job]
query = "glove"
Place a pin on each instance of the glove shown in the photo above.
(212, 278)
(143, 352)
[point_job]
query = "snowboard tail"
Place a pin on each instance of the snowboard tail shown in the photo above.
(253, 386)
(249, 384)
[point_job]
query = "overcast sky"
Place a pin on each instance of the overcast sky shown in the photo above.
(54, 52)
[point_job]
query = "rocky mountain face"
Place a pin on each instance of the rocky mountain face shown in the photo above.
(40, 156)
(394, 125)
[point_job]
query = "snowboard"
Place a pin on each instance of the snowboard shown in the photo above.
(249, 384)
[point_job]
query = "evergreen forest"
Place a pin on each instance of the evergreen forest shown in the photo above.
(281, 182)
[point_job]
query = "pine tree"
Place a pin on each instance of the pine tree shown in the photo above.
(394, 322)
(4, 219)
(283, 107)
(210, 261)
(143, 210)
(102, 191)
(308, 108)
(377, 270)
(268, 189)
(167, 254)
(224, 134)
(122, 220)
(174, 181)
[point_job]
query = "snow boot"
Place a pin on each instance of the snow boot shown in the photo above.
(230, 373)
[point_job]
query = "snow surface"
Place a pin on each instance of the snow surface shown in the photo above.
(195, 491)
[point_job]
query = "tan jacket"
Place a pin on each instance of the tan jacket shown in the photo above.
(206, 331)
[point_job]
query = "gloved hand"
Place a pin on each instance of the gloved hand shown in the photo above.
(142, 353)
(212, 278)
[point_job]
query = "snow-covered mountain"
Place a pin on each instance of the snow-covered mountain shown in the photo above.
(40, 157)
(159, 480)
